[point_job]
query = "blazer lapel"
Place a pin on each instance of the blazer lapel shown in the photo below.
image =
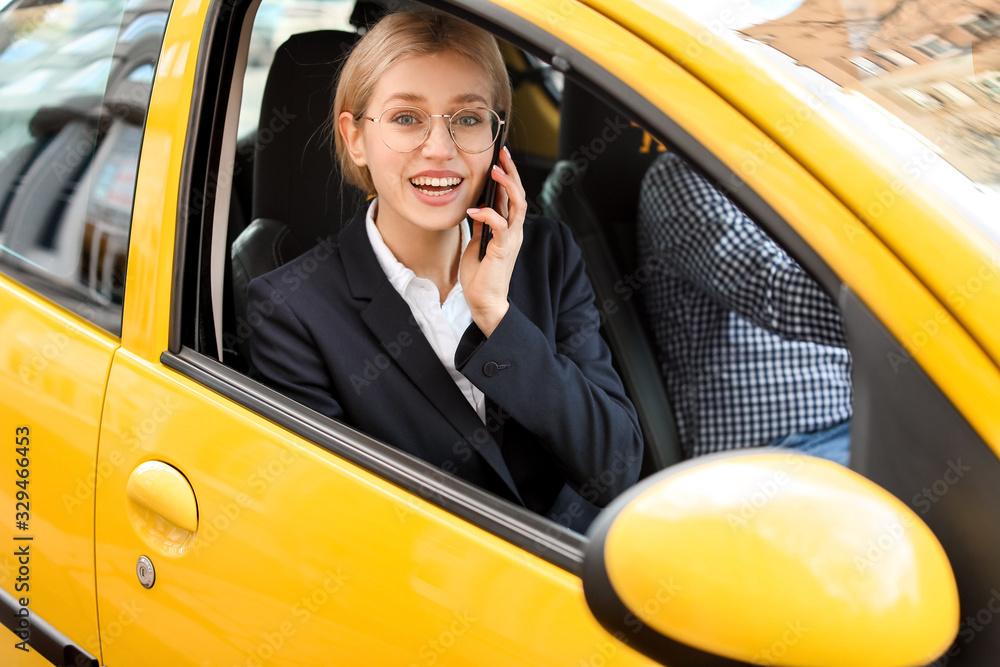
(387, 316)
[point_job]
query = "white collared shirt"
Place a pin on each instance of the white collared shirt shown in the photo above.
(441, 323)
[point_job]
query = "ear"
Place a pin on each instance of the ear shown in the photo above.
(353, 137)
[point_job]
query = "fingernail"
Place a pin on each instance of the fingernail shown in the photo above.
(506, 150)
(470, 211)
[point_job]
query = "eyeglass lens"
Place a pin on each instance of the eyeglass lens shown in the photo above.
(403, 129)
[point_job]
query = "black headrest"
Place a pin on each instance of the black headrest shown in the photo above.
(615, 154)
(296, 177)
(366, 14)
(48, 121)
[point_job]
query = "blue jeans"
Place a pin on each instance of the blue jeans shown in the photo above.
(834, 443)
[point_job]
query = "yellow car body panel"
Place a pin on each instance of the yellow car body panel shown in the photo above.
(146, 319)
(56, 365)
(945, 251)
(11, 655)
(374, 566)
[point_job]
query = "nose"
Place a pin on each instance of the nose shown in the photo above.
(439, 141)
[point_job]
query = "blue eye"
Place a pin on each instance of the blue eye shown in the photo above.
(468, 119)
(405, 118)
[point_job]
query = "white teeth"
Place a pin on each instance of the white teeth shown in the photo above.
(449, 182)
(436, 182)
(435, 193)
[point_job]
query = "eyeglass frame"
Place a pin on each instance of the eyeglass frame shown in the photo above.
(501, 122)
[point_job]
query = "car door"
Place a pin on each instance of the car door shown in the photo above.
(263, 532)
(63, 237)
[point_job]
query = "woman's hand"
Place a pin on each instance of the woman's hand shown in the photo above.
(486, 283)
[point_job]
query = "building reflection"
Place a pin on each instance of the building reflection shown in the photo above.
(935, 64)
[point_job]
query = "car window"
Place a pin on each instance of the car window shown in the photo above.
(276, 21)
(591, 132)
(919, 80)
(75, 82)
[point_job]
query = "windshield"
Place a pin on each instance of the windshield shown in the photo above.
(920, 77)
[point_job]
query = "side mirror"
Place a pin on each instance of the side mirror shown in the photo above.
(770, 558)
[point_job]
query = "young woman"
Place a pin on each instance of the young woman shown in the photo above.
(490, 369)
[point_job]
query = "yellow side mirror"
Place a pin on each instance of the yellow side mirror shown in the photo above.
(770, 558)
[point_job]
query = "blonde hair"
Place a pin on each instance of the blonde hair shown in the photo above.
(395, 38)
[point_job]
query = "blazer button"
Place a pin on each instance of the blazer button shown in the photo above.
(491, 368)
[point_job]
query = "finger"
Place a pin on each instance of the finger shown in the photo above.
(509, 168)
(498, 224)
(514, 196)
(477, 228)
(501, 201)
(509, 181)
(488, 216)
(516, 201)
(470, 256)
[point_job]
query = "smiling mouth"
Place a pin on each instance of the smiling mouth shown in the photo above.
(435, 187)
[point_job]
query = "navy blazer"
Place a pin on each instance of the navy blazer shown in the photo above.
(561, 437)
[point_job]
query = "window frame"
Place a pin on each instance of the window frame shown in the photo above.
(987, 83)
(922, 99)
(896, 58)
(953, 93)
(867, 66)
(981, 25)
(936, 47)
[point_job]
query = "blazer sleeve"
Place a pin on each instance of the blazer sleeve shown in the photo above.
(284, 352)
(570, 396)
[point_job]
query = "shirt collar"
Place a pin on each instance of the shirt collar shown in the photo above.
(399, 276)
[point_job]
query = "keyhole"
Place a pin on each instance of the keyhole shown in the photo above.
(144, 570)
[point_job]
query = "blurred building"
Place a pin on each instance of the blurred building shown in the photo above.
(935, 64)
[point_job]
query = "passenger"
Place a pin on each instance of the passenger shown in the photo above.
(476, 366)
(752, 350)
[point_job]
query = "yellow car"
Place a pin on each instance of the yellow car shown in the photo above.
(163, 507)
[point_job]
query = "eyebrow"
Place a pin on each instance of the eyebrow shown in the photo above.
(415, 98)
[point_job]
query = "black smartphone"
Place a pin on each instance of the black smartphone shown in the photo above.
(490, 187)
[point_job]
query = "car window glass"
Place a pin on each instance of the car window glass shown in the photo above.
(920, 79)
(75, 82)
(276, 21)
(551, 77)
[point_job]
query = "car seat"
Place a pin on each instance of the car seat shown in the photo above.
(299, 195)
(594, 188)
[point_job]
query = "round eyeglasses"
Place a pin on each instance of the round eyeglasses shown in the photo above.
(404, 129)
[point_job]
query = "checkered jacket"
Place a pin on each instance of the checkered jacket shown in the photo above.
(751, 348)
